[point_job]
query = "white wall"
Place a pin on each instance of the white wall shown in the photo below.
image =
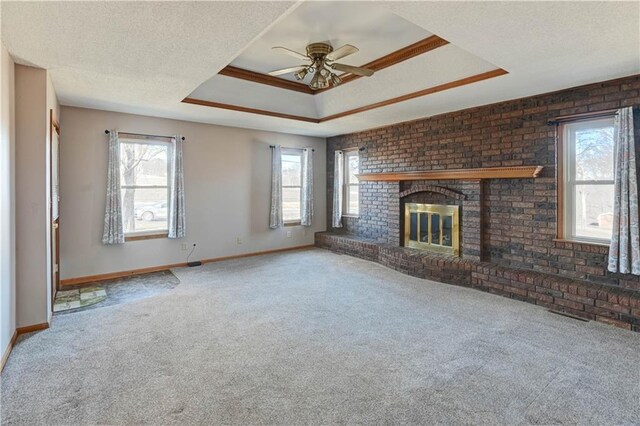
(227, 184)
(34, 96)
(7, 202)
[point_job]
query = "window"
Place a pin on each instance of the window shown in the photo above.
(588, 175)
(291, 185)
(351, 188)
(144, 184)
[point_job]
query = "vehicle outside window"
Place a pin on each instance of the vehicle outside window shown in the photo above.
(144, 184)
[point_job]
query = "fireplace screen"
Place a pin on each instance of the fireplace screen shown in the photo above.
(432, 227)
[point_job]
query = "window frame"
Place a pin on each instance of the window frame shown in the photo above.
(295, 152)
(153, 233)
(565, 164)
(346, 184)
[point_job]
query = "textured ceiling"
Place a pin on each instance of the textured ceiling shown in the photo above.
(139, 55)
(145, 57)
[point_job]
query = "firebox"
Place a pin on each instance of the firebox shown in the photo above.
(432, 227)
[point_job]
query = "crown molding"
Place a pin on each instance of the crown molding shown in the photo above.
(428, 91)
(393, 58)
(256, 77)
(249, 110)
(418, 48)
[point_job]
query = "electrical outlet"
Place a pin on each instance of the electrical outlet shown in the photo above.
(238, 240)
(288, 234)
(184, 247)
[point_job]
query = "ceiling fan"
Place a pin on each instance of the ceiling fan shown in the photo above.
(321, 63)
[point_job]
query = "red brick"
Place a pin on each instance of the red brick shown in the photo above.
(569, 304)
(510, 223)
(612, 307)
(615, 322)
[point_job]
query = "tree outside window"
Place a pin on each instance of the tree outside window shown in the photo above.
(291, 185)
(589, 179)
(144, 181)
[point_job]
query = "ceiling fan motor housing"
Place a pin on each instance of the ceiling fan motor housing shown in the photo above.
(318, 50)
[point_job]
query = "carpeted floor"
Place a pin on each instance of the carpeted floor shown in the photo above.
(313, 337)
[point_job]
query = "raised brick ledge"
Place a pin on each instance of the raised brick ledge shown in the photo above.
(607, 304)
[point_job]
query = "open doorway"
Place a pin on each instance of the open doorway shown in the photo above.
(54, 211)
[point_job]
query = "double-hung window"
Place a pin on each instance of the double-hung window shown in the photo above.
(144, 185)
(587, 191)
(351, 185)
(291, 185)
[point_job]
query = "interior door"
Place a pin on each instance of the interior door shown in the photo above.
(54, 134)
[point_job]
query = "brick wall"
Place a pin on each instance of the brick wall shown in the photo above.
(518, 216)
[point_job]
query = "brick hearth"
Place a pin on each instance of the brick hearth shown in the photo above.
(599, 302)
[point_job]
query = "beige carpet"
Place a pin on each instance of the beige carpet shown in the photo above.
(312, 337)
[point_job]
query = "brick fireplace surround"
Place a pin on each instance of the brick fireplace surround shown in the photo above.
(508, 244)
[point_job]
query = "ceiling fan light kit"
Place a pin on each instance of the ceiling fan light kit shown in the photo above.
(301, 74)
(321, 57)
(318, 82)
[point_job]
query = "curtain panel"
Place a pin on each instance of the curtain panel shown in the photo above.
(624, 250)
(338, 183)
(275, 216)
(113, 232)
(177, 211)
(306, 214)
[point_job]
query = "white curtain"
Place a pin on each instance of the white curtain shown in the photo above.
(624, 251)
(307, 187)
(177, 212)
(275, 217)
(338, 182)
(113, 232)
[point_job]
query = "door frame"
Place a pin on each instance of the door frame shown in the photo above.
(55, 222)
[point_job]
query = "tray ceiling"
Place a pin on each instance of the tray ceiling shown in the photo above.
(146, 57)
(381, 36)
(374, 30)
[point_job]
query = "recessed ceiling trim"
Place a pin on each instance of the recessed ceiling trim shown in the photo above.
(256, 77)
(249, 110)
(428, 91)
(393, 58)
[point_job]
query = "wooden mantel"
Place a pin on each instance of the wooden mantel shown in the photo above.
(518, 172)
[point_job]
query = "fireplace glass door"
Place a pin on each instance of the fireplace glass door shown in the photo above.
(432, 227)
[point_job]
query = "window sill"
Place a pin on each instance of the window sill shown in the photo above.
(140, 237)
(592, 243)
(298, 223)
(352, 216)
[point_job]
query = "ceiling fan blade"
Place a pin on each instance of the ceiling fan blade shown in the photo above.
(288, 70)
(341, 52)
(291, 52)
(364, 72)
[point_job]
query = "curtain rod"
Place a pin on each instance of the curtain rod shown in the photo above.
(586, 116)
(273, 146)
(142, 134)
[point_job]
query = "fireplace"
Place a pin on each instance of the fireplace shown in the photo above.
(432, 227)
